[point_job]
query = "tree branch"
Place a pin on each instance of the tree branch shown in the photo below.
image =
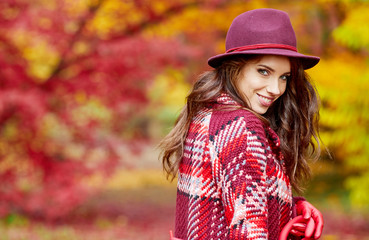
(62, 64)
(130, 30)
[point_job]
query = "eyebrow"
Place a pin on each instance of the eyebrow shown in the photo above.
(271, 69)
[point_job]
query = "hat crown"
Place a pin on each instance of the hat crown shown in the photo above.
(262, 31)
(261, 26)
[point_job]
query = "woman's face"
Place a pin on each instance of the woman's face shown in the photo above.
(264, 80)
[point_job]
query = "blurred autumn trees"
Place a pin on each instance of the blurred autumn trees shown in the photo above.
(73, 74)
(80, 79)
(343, 81)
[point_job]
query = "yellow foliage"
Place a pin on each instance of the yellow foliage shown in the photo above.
(76, 8)
(343, 83)
(113, 16)
(15, 160)
(75, 151)
(9, 162)
(81, 48)
(159, 6)
(359, 186)
(60, 136)
(41, 56)
(90, 109)
(126, 179)
(53, 128)
(170, 88)
(354, 32)
(10, 130)
(197, 20)
(70, 27)
(342, 80)
(330, 237)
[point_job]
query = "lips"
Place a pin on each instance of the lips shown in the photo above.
(265, 101)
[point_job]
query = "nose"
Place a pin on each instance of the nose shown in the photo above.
(274, 87)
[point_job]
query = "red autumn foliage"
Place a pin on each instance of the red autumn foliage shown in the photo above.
(38, 177)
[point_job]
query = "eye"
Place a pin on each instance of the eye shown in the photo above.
(263, 71)
(285, 77)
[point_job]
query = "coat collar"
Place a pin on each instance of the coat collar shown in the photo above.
(225, 99)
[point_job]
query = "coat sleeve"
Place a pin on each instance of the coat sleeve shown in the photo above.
(241, 148)
(294, 201)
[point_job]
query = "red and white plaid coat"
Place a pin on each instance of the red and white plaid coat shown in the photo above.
(231, 183)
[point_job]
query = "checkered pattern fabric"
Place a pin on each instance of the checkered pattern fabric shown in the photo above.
(232, 182)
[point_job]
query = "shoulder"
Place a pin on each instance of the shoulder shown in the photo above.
(237, 135)
(239, 120)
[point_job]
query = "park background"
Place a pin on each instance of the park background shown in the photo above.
(89, 87)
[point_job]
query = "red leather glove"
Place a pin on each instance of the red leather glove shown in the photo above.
(307, 225)
(303, 228)
(314, 221)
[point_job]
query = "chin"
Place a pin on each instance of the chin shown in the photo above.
(261, 111)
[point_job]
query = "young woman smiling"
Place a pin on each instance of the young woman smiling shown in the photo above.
(244, 137)
(263, 80)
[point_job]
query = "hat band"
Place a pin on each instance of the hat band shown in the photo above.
(261, 46)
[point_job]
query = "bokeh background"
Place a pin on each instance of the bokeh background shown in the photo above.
(89, 87)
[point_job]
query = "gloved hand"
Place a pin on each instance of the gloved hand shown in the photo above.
(304, 225)
(314, 221)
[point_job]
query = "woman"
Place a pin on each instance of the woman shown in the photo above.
(244, 137)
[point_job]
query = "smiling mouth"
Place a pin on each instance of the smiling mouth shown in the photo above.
(265, 101)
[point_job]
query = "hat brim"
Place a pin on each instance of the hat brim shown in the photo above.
(307, 61)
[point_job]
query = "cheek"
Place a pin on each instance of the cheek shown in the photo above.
(283, 87)
(251, 83)
(248, 87)
(243, 85)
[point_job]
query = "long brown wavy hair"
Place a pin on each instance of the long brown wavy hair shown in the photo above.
(294, 117)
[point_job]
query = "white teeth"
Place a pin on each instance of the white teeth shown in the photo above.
(266, 99)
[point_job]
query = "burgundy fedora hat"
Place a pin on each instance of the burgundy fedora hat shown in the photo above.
(262, 31)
